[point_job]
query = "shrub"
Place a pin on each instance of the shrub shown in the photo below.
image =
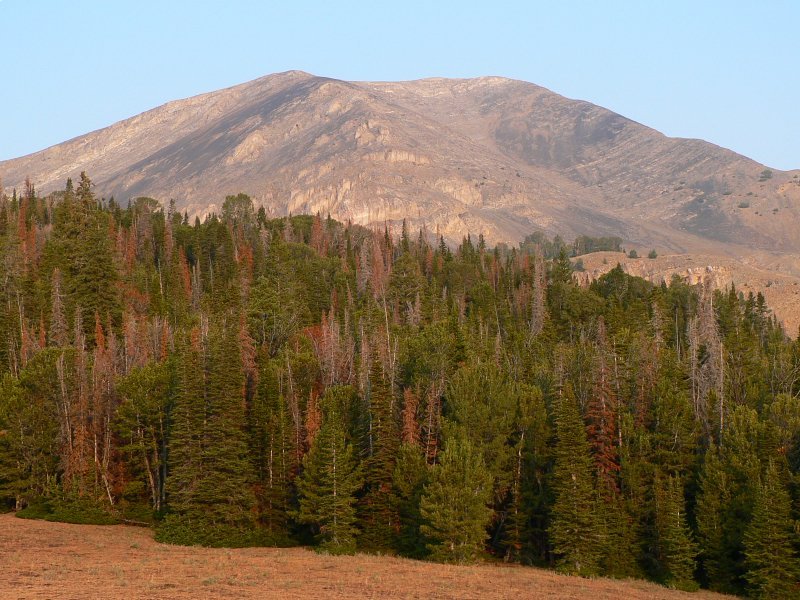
(80, 511)
(653, 254)
(182, 530)
(633, 254)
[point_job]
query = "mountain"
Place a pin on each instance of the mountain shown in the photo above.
(490, 155)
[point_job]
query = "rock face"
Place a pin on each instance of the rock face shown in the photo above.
(487, 155)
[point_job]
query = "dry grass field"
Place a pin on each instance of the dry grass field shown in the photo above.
(60, 561)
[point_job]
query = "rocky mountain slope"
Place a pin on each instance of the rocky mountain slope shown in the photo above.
(781, 291)
(487, 155)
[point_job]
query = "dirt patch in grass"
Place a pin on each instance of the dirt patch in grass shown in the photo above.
(39, 559)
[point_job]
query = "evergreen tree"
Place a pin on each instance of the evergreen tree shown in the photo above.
(141, 421)
(12, 484)
(377, 508)
(328, 484)
(725, 504)
(712, 514)
(80, 247)
(487, 407)
(209, 487)
(454, 502)
(574, 531)
(677, 550)
(227, 485)
(409, 480)
(273, 450)
(773, 567)
(619, 535)
(529, 454)
(697, 387)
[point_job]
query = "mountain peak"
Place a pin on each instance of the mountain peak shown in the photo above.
(487, 155)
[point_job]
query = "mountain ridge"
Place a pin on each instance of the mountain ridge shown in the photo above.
(490, 155)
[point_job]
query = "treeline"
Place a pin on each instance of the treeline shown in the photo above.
(245, 380)
(539, 243)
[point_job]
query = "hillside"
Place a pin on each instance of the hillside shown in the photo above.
(781, 291)
(43, 559)
(489, 155)
(303, 381)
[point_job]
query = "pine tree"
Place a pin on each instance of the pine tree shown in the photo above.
(410, 477)
(728, 480)
(676, 549)
(328, 484)
(227, 485)
(58, 323)
(529, 448)
(602, 418)
(12, 483)
(773, 567)
(273, 450)
(147, 394)
(574, 532)
(80, 247)
(185, 466)
(619, 534)
(454, 502)
(209, 488)
(377, 509)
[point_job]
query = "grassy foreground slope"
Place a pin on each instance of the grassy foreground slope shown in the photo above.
(48, 560)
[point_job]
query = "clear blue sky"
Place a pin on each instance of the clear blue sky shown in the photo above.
(726, 71)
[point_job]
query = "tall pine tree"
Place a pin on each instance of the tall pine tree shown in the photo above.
(773, 568)
(329, 481)
(210, 495)
(574, 531)
(676, 549)
(454, 502)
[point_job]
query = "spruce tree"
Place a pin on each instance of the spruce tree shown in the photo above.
(619, 534)
(529, 448)
(676, 549)
(80, 247)
(226, 488)
(328, 484)
(11, 485)
(210, 495)
(574, 531)
(773, 568)
(273, 450)
(377, 508)
(727, 489)
(454, 502)
(712, 510)
(408, 481)
(185, 457)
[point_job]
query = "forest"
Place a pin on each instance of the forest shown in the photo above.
(248, 380)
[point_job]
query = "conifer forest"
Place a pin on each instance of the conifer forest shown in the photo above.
(247, 380)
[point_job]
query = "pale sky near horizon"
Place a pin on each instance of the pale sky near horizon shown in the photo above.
(722, 71)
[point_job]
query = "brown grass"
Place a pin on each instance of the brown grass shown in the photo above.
(55, 560)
